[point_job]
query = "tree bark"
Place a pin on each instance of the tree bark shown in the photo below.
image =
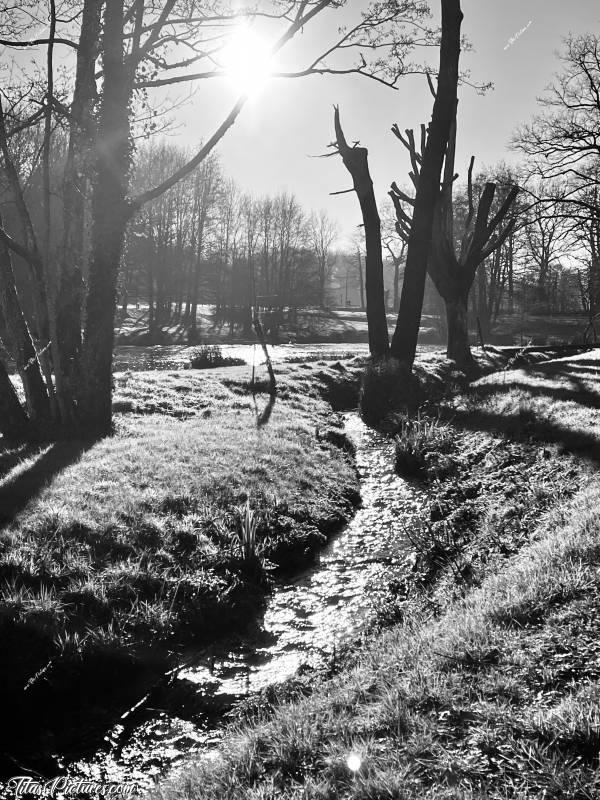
(20, 343)
(404, 341)
(484, 300)
(396, 305)
(458, 331)
(36, 265)
(109, 214)
(14, 423)
(193, 328)
(361, 283)
(356, 162)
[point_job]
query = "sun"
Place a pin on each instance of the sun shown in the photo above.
(246, 60)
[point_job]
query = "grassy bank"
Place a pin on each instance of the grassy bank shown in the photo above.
(494, 693)
(113, 553)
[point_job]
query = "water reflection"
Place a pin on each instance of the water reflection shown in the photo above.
(178, 356)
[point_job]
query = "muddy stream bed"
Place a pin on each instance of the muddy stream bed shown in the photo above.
(307, 619)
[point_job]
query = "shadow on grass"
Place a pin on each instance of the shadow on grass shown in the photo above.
(528, 426)
(19, 487)
(585, 362)
(526, 423)
(592, 371)
(11, 455)
(263, 418)
(580, 394)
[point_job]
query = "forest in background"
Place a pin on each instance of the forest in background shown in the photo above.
(208, 242)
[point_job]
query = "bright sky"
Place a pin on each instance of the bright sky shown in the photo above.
(515, 45)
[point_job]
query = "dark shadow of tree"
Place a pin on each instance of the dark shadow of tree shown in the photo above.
(529, 427)
(263, 417)
(16, 492)
(526, 424)
(580, 394)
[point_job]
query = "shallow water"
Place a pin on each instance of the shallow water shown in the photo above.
(306, 620)
(177, 356)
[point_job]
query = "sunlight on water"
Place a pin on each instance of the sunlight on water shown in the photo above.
(176, 356)
(306, 621)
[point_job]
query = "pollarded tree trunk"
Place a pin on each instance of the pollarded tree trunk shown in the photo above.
(453, 274)
(356, 162)
(458, 331)
(109, 218)
(404, 341)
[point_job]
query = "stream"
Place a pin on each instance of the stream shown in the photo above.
(306, 620)
(178, 356)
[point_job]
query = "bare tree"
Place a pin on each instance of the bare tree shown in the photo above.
(545, 235)
(356, 162)
(452, 268)
(564, 138)
(404, 341)
(562, 144)
(125, 48)
(323, 233)
(395, 245)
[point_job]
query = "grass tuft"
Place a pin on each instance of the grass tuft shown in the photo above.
(422, 447)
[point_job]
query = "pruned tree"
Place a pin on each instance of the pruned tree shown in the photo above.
(429, 164)
(356, 162)
(454, 256)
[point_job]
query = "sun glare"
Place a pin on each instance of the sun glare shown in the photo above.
(246, 60)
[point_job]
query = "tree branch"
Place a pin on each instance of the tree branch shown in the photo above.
(37, 42)
(137, 202)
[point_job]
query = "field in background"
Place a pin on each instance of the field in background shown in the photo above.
(350, 325)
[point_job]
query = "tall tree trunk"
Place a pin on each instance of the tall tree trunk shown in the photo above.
(483, 299)
(110, 213)
(397, 263)
(594, 270)
(151, 305)
(361, 281)
(193, 314)
(20, 343)
(14, 423)
(37, 266)
(193, 329)
(404, 341)
(356, 162)
(322, 261)
(458, 331)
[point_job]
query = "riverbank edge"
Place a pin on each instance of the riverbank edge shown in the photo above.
(143, 662)
(50, 677)
(303, 747)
